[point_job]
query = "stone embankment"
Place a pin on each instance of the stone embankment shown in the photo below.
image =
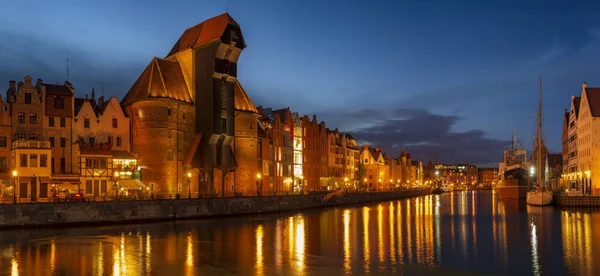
(87, 213)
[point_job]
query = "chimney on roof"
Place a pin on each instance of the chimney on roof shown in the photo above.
(314, 118)
(12, 84)
(584, 85)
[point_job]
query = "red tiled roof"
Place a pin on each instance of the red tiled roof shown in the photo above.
(241, 100)
(207, 31)
(161, 79)
(593, 98)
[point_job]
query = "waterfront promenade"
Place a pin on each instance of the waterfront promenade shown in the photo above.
(89, 213)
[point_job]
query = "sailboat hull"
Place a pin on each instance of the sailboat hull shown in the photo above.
(538, 198)
(514, 192)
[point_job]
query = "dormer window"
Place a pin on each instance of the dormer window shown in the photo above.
(86, 123)
(27, 98)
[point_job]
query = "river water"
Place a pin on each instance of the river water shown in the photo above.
(461, 233)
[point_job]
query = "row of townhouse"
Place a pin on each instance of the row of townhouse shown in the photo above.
(188, 127)
(581, 142)
(299, 154)
(51, 141)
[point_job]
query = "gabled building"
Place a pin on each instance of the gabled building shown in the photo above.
(565, 143)
(27, 110)
(57, 126)
(5, 140)
(587, 174)
(281, 133)
(376, 170)
(183, 116)
(311, 153)
(572, 132)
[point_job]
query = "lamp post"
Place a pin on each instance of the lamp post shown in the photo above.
(258, 186)
(15, 185)
(116, 176)
(189, 175)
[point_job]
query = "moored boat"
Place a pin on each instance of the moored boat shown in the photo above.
(512, 172)
(540, 196)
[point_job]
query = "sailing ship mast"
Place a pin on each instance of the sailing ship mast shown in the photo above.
(539, 140)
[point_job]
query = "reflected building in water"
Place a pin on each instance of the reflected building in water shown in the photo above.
(462, 231)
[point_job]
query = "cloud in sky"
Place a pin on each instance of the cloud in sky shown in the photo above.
(423, 134)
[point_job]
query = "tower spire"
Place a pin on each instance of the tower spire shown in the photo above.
(67, 69)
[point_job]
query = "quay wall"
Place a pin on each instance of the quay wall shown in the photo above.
(86, 213)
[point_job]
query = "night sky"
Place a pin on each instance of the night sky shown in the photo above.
(428, 76)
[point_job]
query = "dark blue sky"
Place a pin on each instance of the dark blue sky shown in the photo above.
(452, 77)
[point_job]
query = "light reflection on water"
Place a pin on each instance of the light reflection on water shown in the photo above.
(466, 232)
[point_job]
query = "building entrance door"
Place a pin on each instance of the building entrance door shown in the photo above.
(96, 188)
(33, 188)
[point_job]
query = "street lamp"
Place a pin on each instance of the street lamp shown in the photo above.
(15, 185)
(116, 185)
(258, 178)
(189, 175)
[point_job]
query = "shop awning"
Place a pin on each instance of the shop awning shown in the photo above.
(131, 184)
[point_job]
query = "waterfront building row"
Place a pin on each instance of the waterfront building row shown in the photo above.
(51, 141)
(580, 142)
(186, 127)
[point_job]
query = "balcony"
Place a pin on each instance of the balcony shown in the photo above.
(24, 144)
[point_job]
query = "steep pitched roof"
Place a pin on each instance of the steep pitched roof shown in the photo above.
(56, 89)
(283, 114)
(374, 152)
(207, 31)
(576, 102)
(161, 79)
(78, 104)
(593, 99)
(100, 108)
(241, 101)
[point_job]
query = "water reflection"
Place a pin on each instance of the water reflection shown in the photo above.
(458, 232)
(366, 245)
(347, 241)
(259, 250)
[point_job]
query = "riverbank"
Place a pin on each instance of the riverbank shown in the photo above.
(578, 201)
(106, 213)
